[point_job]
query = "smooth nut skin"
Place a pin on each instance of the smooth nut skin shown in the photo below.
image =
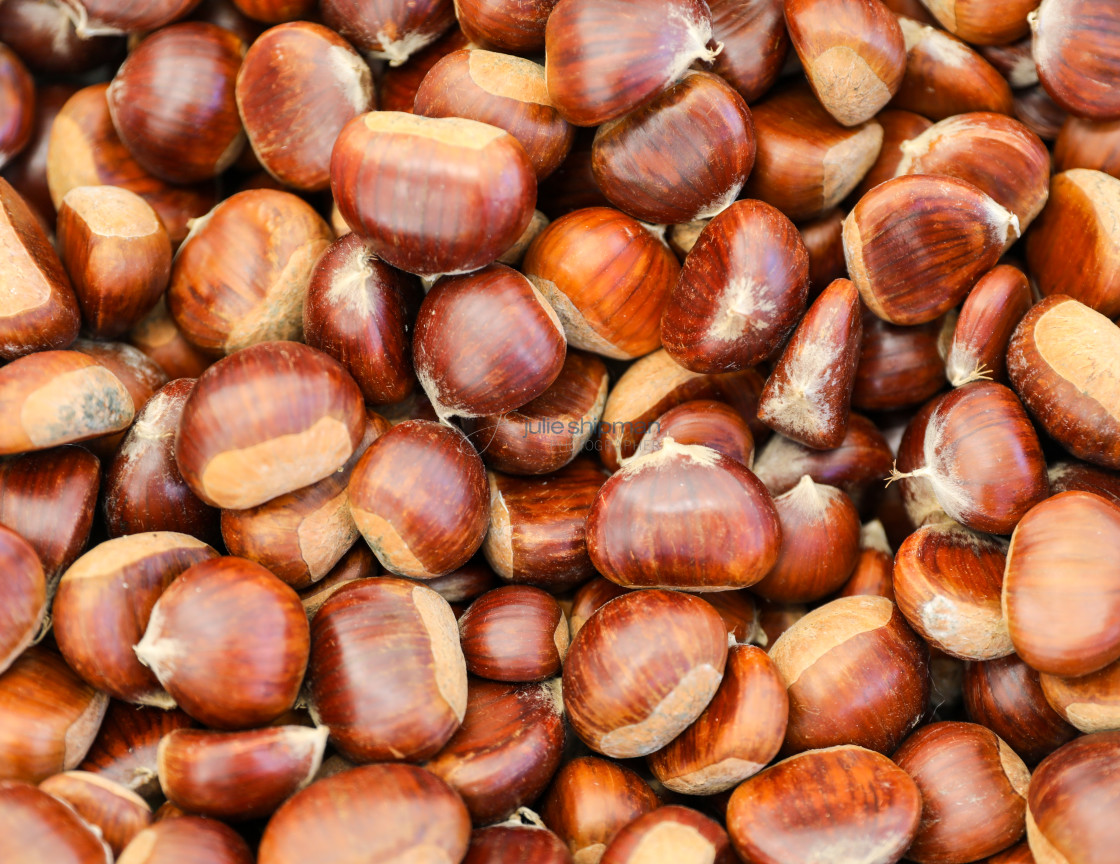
(1086, 143)
(397, 85)
(741, 291)
(43, 35)
(24, 593)
(514, 365)
(40, 310)
(973, 789)
(607, 277)
(592, 80)
(1071, 476)
(1068, 540)
(48, 717)
(1071, 802)
(475, 180)
(514, 633)
(298, 85)
(507, 750)
(853, 54)
(899, 367)
(392, 812)
(104, 602)
(671, 833)
(34, 827)
(173, 105)
(507, 92)
(118, 813)
(28, 172)
(241, 276)
(159, 337)
(419, 497)
(106, 15)
(627, 692)
(816, 804)
(1091, 702)
(388, 28)
(1074, 47)
(738, 734)
(17, 95)
(516, 844)
(898, 128)
(229, 641)
(512, 26)
(707, 127)
(590, 801)
(238, 775)
(187, 838)
(683, 517)
(984, 326)
(267, 420)
(755, 43)
(410, 702)
(703, 421)
(865, 642)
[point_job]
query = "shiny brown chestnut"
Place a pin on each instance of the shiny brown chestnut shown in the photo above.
(24, 593)
(397, 85)
(35, 827)
(124, 750)
(705, 422)
(824, 241)
(384, 162)
(1074, 47)
(899, 367)
(187, 838)
(356, 564)
(17, 95)
(678, 833)
(755, 43)
(980, 23)
(1084, 143)
(275, 11)
(874, 573)
(267, 420)
(105, 16)
(157, 336)
(117, 812)
(983, 328)
(589, 598)
(297, 86)
(27, 172)
(898, 128)
(516, 844)
(390, 29)
(1091, 703)
(229, 641)
(514, 633)
(43, 34)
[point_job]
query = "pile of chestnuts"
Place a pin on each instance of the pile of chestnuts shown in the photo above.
(559, 431)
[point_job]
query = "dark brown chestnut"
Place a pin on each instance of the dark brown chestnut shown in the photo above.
(514, 633)
(389, 29)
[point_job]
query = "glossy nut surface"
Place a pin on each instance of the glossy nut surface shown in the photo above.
(514, 633)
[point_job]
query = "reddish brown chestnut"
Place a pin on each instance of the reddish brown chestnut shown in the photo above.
(874, 573)
(187, 838)
(389, 29)
(100, 16)
(117, 812)
(124, 750)
(513, 26)
(1075, 49)
(1091, 702)
(35, 827)
(514, 633)
(24, 592)
(589, 598)
(706, 422)
(755, 42)
(899, 367)
(397, 85)
(984, 326)
(516, 844)
(157, 336)
(17, 96)
(898, 128)
(43, 34)
(671, 833)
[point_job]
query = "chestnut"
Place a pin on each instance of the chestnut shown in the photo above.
(27, 172)
(589, 598)
(238, 775)
(104, 603)
(391, 29)
(707, 127)
(1091, 702)
(974, 791)
(899, 366)
(507, 749)
(874, 573)
(755, 43)
(419, 497)
(386, 811)
(592, 80)
(979, 23)
(537, 530)
(736, 736)
(506, 92)
(1082, 143)
(812, 806)
(105, 16)
(269, 419)
(48, 717)
(590, 801)
(705, 422)
(1074, 47)
(741, 291)
(241, 276)
(516, 844)
(988, 317)
(515, 365)
(607, 277)
(43, 34)
(739, 612)
(187, 838)
(865, 642)
(385, 162)
(36, 827)
(671, 833)
(410, 702)
(275, 11)
(824, 241)
(1041, 114)
(24, 593)
(514, 633)
(229, 642)
(173, 105)
(358, 563)
(298, 85)
(898, 128)
(685, 517)
(17, 95)
(157, 336)
(117, 812)
(397, 85)
(1064, 543)
(41, 311)
(658, 685)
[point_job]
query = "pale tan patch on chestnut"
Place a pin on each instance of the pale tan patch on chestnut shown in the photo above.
(823, 629)
(453, 131)
(515, 253)
(447, 655)
(74, 405)
(672, 841)
(1072, 339)
(69, 166)
(140, 849)
(22, 284)
(1014, 769)
(848, 87)
(1041, 848)
(348, 284)
(973, 630)
(717, 777)
(508, 77)
(682, 705)
(562, 637)
(498, 545)
(309, 743)
(742, 306)
(79, 736)
(577, 329)
(325, 534)
(110, 211)
(857, 269)
(115, 555)
(807, 499)
(589, 854)
(668, 454)
(846, 163)
(944, 11)
(387, 544)
(397, 51)
(243, 478)
(352, 75)
(873, 535)
(1089, 717)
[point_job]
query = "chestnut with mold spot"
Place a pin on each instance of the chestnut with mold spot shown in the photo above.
(658, 687)
(238, 775)
(705, 422)
(607, 276)
(229, 642)
(419, 497)
(736, 736)
(1062, 362)
(592, 80)
(806, 162)
(1091, 702)
(240, 444)
(808, 394)
(48, 717)
(866, 642)
(385, 162)
(104, 603)
(409, 703)
(811, 807)
(853, 54)
(24, 593)
(671, 833)
(741, 291)
(820, 544)
(1075, 49)
(118, 813)
(514, 633)
(974, 791)
(978, 346)
(755, 44)
(707, 127)
(683, 517)
(947, 582)
(36, 827)
(503, 91)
